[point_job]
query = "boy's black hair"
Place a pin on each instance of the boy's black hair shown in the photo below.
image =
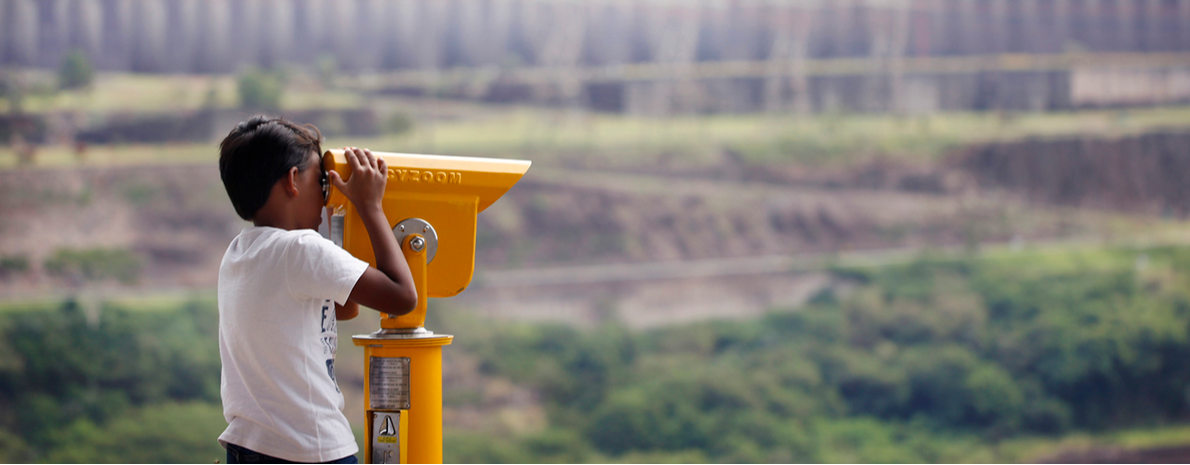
(257, 153)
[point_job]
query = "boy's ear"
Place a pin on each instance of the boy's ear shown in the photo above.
(290, 182)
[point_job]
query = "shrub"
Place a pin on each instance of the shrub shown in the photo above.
(327, 69)
(188, 428)
(399, 123)
(95, 265)
(260, 90)
(80, 391)
(12, 265)
(13, 91)
(75, 71)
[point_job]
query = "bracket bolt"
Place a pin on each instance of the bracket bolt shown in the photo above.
(417, 243)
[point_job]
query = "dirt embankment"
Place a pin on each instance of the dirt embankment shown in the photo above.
(623, 218)
(1139, 174)
(177, 220)
(174, 219)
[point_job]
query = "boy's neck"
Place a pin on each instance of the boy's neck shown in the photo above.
(268, 217)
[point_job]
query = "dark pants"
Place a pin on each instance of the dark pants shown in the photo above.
(237, 454)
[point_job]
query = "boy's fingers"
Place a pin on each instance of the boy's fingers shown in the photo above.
(365, 160)
(380, 164)
(352, 159)
(336, 180)
(371, 158)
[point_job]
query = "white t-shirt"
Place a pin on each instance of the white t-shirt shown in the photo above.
(277, 342)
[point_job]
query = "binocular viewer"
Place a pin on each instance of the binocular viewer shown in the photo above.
(431, 202)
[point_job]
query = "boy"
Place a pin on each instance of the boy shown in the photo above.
(278, 278)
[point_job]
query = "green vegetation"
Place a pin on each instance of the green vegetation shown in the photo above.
(1006, 358)
(134, 386)
(117, 155)
(155, 94)
(75, 71)
(11, 265)
(938, 360)
(140, 194)
(553, 136)
(327, 70)
(548, 136)
(261, 90)
(137, 436)
(13, 91)
(399, 123)
(94, 265)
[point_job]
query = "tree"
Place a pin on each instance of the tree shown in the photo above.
(260, 90)
(327, 69)
(13, 91)
(75, 71)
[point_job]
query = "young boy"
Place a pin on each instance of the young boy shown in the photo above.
(277, 282)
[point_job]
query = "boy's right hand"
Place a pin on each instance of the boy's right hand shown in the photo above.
(369, 175)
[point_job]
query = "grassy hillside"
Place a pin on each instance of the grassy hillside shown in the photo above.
(941, 360)
(1008, 358)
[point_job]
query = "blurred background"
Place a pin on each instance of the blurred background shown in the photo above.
(754, 231)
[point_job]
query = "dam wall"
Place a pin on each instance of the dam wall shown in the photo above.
(909, 56)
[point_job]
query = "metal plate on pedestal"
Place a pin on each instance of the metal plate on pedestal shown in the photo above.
(388, 379)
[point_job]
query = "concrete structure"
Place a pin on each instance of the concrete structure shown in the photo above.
(787, 55)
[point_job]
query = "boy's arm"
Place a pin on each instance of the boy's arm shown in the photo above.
(346, 311)
(388, 287)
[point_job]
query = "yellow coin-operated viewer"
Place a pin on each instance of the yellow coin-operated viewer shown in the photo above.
(431, 202)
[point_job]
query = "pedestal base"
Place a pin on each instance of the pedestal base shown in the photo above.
(421, 418)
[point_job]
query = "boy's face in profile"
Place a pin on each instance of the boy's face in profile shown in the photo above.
(312, 188)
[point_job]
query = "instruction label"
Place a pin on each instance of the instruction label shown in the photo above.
(389, 383)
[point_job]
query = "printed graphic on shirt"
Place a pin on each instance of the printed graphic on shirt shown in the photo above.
(330, 330)
(330, 339)
(330, 370)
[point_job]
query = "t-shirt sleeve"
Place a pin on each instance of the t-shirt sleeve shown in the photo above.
(320, 269)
